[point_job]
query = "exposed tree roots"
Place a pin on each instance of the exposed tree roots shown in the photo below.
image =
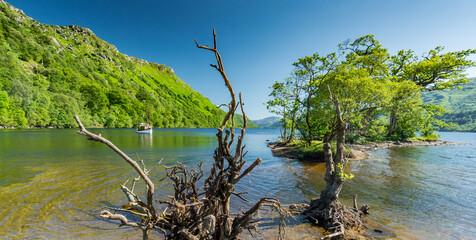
(335, 217)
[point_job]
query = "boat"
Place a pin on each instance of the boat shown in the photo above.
(145, 128)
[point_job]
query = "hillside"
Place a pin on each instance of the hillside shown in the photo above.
(269, 122)
(48, 73)
(460, 102)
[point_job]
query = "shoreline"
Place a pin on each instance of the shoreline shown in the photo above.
(358, 151)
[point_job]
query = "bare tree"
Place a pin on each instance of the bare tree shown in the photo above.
(187, 216)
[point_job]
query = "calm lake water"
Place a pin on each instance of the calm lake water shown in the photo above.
(53, 183)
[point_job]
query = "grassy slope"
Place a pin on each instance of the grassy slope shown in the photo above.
(460, 102)
(49, 73)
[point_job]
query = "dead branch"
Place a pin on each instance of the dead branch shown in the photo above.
(223, 74)
(142, 174)
(248, 170)
(338, 233)
(241, 197)
(108, 215)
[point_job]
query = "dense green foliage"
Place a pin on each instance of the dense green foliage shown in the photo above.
(460, 103)
(375, 95)
(49, 73)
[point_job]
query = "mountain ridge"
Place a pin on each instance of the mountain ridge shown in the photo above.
(269, 122)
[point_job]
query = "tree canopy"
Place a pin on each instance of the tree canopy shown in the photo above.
(379, 93)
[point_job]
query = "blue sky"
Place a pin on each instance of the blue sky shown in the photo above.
(258, 40)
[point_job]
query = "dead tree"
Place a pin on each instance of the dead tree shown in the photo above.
(327, 211)
(186, 215)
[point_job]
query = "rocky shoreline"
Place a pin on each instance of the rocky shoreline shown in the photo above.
(359, 151)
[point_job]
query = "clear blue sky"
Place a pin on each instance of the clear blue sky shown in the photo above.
(258, 40)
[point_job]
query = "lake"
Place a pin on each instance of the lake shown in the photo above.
(53, 183)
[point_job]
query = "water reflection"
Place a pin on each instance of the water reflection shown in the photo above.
(146, 140)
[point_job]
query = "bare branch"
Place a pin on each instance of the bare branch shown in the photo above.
(241, 197)
(129, 211)
(248, 170)
(142, 174)
(340, 232)
(220, 69)
(108, 215)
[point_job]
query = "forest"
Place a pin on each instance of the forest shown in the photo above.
(380, 94)
(49, 73)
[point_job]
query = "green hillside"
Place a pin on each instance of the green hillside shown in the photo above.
(460, 102)
(49, 73)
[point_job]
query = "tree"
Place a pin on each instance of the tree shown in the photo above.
(354, 91)
(339, 94)
(435, 70)
(346, 89)
(95, 98)
(285, 102)
(311, 71)
(368, 54)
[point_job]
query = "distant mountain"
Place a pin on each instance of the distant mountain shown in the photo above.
(48, 73)
(269, 122)
(461, 103)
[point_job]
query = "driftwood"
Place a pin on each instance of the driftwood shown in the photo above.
(194, 213)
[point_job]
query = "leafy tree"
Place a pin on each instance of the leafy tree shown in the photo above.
(95, 98)
(310, 72)
(343, 96)
(285, 102)
(4, 109)
(435, 70)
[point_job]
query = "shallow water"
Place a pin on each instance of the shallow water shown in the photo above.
(53, 183)
(428, 192)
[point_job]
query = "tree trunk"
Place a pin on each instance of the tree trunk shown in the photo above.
(366, 121)
(326, 211)
(333, 180)
(308, 121)
(145, 234)
(285, 126)
(393, 122)
(293, 122)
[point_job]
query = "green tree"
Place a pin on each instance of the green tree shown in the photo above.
(5, 119)
(343, 98)
(285, 102)
(435, 70)
(95, 98)
(310, 72)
